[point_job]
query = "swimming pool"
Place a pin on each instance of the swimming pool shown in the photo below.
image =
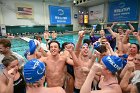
(20, 46)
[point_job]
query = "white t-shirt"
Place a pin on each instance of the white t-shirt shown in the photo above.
(136, 78)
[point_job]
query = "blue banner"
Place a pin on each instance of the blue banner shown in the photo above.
(60, 15)
(123, 10)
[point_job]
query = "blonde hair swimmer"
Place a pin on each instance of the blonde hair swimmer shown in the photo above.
(34, 74)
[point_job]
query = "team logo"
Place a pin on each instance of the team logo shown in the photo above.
(60, 12)
(121, 5)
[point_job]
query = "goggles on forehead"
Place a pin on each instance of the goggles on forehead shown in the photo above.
(85, 44)
(72, 43)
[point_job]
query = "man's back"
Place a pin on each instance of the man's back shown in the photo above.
(44, 90)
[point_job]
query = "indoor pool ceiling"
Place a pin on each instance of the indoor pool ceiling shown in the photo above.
(89, 3)
(82, 3)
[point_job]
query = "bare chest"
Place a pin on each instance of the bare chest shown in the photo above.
(55, 65)
(87, 63)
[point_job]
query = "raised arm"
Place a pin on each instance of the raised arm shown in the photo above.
(86, 88)
(79, 43)
(9, 87)
(114, 23)
(70, 48)
(131, 27)
(126, 36)
(137, 36)
(127, 75)
(119, 44)
(127, 67)
(111, 32)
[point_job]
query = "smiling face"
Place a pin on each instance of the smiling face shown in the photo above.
(54, 48)
(85, 50)
(3, 50)
(5, 46)
(137, 62)
(120, 30)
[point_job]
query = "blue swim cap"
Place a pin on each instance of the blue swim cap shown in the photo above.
(33, 70)
(97, 45)
(32, 46)
(113, 63)
(124, 58)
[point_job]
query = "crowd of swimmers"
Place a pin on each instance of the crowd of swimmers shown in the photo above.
(98, 64)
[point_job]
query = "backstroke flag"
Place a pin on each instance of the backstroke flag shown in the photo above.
(24, 11)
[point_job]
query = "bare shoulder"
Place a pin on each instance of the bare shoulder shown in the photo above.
(60, 90)
(43, 59)
(3, 86)
(63, 56)
(106, 91)
(55, 90)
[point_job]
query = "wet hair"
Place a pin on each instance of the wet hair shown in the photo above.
(5, 42)
(88, 41)
(37, 37)
(63, 45)
(136, 46)
(8, 59)
(53, 41)
(102, 49)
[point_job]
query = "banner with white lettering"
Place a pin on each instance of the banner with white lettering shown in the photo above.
(123, 10)
(60, 15)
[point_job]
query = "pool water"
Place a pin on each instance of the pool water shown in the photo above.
(20, 46)
(68, 38)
